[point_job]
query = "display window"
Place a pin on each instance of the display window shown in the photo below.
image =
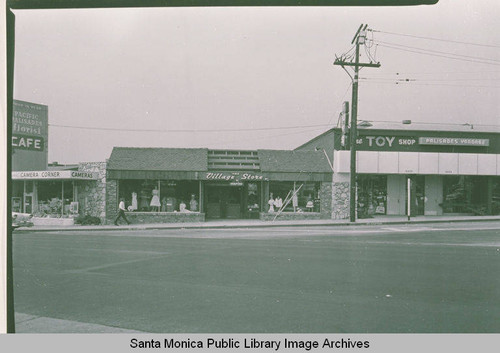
(372, 195)
(465, 194)
(43, 198)
(160, 195)
(289, 196)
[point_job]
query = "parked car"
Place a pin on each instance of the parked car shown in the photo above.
(21, 220)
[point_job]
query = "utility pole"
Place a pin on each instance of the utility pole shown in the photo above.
(344, 60)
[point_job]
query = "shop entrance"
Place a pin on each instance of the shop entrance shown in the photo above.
(224, 201)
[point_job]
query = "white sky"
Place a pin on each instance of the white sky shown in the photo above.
(247, 68)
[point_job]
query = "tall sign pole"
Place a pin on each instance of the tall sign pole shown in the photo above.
(343, 60)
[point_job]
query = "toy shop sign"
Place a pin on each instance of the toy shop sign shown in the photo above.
(412, 143)
(386, 142)
(233, 177)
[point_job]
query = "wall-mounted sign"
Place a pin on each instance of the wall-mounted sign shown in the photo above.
(416, 143)
(54, 174)
(386, 142)
(233, 176)
(453, 141)
(29, 136)
(25, 142)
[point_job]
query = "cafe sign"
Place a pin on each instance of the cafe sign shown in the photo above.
(233, 176)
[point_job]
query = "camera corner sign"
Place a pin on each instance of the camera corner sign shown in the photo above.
(54, 174)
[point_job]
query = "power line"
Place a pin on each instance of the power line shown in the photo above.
(438, 73)
(343, 98)
(442, 56)
(309, 130)
(429, 80)
(184, 130)
(431, 123)
(439, 39)
(428, 84)
(439, 52)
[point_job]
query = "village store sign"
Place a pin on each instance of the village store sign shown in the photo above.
(56, 174)
(233, 177)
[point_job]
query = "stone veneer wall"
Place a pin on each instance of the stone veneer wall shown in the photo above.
(111, 201)
(340, 196)
(162, 217)
(325, 195)
(92, 193)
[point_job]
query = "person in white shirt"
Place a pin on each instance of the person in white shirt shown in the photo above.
(121, 212)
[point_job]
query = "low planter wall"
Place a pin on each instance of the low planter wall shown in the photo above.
(163, 217)
(48, 221)
(284, 216)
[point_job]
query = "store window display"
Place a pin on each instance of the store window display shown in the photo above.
(372, 195)
(159, 195)
(297, 196)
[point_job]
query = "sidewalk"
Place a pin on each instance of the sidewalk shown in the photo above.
(245, 223)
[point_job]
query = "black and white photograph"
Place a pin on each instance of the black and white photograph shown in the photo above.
(254, 170)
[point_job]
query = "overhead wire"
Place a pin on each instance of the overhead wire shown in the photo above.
(437, 39)
(436, 51)
(442, 56)
(184, 130)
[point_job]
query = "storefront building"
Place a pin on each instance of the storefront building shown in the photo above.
(60, 192)
(161, 185)
(449, 172)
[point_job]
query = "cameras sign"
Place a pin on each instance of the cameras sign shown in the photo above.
(29, 136)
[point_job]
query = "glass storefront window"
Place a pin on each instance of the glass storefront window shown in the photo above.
(160, 196)
(306, 199)
(495, 196)
(54, 197)
(372, 195)
(465, 194)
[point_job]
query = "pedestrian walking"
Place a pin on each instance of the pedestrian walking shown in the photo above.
(121, 212)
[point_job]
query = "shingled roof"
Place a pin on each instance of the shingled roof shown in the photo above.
(152, 159)
(293, 161)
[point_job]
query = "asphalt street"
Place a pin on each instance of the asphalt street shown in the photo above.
(419, 278)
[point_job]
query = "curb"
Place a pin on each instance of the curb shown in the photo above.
(235, 226)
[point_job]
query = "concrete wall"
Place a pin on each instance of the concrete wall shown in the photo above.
(284, 216)
(162, 217)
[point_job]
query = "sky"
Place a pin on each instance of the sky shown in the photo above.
(249, 78)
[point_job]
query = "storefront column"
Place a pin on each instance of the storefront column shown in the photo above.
(200, 197)
(265, 196)
(111, 200)
(340, 196)
(62, 198)
(75, 192)
(35, 196)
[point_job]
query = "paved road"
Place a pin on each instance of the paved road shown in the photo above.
(389, 278)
